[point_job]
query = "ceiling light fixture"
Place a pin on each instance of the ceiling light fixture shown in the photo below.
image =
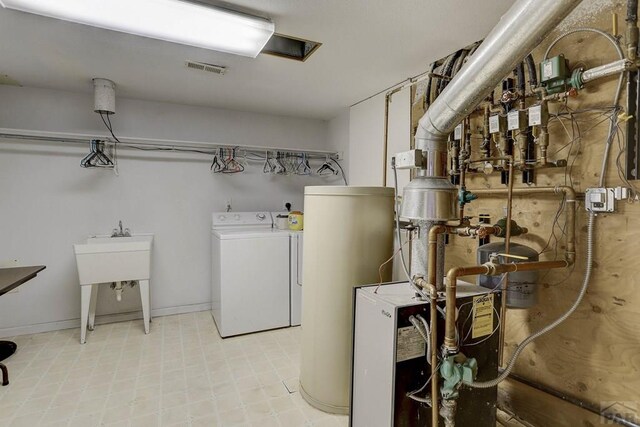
(175, 21)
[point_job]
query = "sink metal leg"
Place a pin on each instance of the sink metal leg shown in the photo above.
(85, 302)
(144, 297)
(5, 375)
(92, 306)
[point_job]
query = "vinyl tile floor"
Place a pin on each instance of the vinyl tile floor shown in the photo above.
(181, 374)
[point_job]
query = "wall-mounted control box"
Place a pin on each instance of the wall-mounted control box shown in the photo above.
(603, 199)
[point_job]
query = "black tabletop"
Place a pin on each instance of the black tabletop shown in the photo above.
(11, 278)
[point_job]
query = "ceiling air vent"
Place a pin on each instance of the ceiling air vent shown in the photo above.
(290, 47)
(203, 66)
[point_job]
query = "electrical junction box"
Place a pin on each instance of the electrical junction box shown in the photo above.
(604, 199)
(390, 357)
(554, 74)
(411, 159)
(599, 200)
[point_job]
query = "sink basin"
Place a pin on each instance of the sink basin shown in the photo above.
(114, 259)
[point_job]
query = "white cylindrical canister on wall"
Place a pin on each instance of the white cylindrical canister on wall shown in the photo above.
(348, 235)
(104, 96)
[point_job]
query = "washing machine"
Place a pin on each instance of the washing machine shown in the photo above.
(251, 274)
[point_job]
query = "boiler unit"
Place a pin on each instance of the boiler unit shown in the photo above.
(390, 379)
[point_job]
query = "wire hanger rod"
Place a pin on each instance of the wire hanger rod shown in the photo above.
(73, 138)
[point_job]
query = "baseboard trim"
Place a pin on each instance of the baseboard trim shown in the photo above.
(100, 320)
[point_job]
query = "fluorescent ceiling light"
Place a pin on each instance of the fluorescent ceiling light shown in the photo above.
(170, 20)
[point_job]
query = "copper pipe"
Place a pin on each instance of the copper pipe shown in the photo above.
(570, 198)
(507, 244)
(526, 266)
(474, 230)
(434, 233)
(543, 137)
(507, 251)
(463, 178)
(462, 230)
(450, 342)
(486, 136)
(433, 327)
(432, 261)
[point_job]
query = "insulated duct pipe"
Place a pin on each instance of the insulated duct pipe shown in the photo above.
(606, 70)
(519, 31)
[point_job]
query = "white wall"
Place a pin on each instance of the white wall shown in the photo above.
(366, 146)
(339, 135)
(48, 202)
(366, 138)
(399, 133)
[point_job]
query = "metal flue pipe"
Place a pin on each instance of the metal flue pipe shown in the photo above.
(519, 31)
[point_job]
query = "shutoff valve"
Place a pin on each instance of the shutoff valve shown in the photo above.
(465, 196)
(494, 261)
(454, 371)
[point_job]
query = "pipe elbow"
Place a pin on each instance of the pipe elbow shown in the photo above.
(569, 192)
(427, 131)
(452, 276)
(435, 231)
(433, 291)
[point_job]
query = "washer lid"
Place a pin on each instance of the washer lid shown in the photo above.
(241, 219)
(250, 233)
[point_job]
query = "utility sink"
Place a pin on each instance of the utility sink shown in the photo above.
(114, 259)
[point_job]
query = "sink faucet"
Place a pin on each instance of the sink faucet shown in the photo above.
(119, 232)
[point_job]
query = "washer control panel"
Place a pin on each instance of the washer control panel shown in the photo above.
(240, 219)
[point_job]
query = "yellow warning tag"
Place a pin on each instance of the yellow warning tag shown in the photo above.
(482, 316)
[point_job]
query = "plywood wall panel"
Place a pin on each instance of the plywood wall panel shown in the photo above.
(594, 355)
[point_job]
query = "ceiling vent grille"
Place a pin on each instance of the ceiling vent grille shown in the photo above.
(203, 66)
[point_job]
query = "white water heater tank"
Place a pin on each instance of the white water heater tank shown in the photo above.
(348, 234)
